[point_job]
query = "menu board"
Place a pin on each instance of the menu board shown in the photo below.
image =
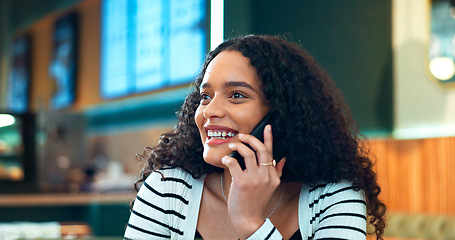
(150, 44)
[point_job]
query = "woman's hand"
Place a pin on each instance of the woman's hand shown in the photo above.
(251, 189)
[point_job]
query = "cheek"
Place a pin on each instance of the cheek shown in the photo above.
(243, 119)
(247, 120)
(244, 116)
(199, 118)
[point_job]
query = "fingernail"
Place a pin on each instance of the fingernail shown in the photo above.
(241, 134)
(225, 160)
(230, 145)
(269, 127)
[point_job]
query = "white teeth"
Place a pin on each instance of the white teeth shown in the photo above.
(220, 134)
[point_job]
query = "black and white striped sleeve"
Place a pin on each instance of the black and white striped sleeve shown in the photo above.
(154, 210)
(338, 212)
(266, 232)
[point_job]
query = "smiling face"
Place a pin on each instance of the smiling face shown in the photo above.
(232, 102)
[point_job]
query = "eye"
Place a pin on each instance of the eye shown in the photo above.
(204, 96)
(205, 99)
(237, 95)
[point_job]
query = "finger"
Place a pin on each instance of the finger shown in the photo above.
(280, 166)
(263, 154)
(268, 138)
(277, 171)
(233, 166)
(248, 155)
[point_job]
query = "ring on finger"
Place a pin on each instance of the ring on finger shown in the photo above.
(272, 163)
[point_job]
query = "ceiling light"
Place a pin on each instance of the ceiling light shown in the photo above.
(6, 120)
(442, 68)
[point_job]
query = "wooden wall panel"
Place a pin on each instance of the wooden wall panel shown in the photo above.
(416, 175)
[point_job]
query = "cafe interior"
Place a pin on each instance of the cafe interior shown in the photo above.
(86, 85)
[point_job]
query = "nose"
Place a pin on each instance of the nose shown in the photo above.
(215, 108)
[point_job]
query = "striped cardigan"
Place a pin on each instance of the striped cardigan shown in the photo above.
(167, 207)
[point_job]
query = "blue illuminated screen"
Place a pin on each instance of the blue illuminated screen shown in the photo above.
(150, 44)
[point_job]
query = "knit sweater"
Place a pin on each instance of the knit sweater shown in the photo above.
(167, 207)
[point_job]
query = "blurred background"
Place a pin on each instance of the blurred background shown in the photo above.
(85, 85)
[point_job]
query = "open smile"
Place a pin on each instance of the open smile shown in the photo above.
(220, 134)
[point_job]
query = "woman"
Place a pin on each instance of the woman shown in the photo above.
(323, 187)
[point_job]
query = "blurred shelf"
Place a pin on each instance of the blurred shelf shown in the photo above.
(64, 199)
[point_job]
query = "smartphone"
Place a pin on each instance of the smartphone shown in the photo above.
(258, 132)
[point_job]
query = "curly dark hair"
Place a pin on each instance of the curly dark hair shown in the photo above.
(321, 141)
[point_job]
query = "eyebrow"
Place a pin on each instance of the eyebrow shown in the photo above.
(232, 84)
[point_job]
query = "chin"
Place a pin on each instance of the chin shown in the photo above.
(214, 157)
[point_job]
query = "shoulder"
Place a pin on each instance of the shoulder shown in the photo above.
(163, 202)
(170, 176)
(172, 180)
(165, 193)
(343, 189)
(335, 194)
(335, 210)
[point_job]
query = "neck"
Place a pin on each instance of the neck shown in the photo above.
(226, 180)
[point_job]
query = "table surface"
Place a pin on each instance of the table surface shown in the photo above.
(63, 199)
